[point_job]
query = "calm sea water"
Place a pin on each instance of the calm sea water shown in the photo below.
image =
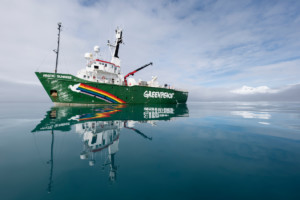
(194, 151)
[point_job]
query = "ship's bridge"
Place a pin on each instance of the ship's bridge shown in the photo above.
(100, 71)
(104, 66)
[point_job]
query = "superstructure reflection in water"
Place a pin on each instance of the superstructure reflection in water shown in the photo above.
(100, 127)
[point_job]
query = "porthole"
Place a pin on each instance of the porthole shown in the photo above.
(53, 93)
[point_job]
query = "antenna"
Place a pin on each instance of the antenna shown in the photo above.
(57, 50)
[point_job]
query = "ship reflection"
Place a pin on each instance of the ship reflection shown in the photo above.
(100, 128)
(98, 136)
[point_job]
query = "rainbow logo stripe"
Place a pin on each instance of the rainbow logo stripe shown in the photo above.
(100, 94)
(97, 115)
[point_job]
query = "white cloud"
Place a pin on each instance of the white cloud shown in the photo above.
(251, 115)
(285, 93)
(203, 46)
(254, 90)
(264, 123)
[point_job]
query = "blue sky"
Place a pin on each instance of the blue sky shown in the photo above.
(205, 45)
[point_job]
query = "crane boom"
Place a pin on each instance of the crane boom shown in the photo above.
(135, 71)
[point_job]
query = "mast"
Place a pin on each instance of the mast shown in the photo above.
(118, 42)
(115, 55)
(57, 50)
(51, 163)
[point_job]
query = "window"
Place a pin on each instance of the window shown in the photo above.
(94, 139)
(84, 76)
(96, 66)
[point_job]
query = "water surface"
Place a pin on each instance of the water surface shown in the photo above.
(199, 150)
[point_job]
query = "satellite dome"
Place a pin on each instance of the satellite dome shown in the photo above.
(84, 156)
(91, 163)
(96, 49)
(88, 55)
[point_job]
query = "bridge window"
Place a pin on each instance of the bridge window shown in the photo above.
(96, 66)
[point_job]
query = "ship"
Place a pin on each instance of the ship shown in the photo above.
(101, 82)
(100, 128)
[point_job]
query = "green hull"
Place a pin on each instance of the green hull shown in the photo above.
(63, 117)
(68, 89)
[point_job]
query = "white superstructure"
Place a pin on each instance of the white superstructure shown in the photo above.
(101, 71)
(103, 136)
(100, 135)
